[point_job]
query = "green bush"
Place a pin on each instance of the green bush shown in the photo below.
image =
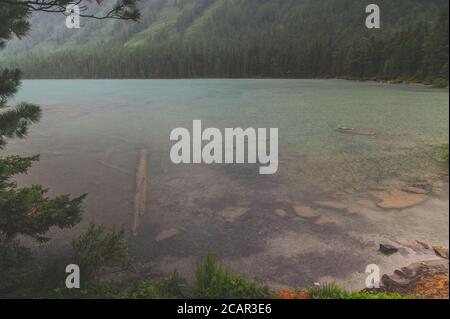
(214, 282)
(89, 290)
(146, 289)
(333, 291)
(167, 288)
(327, 291)
(97, 248)
(380, 295)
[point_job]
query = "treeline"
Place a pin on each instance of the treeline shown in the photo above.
(266, 38)
(417, 53)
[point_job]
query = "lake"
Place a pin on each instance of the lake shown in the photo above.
(313, 220)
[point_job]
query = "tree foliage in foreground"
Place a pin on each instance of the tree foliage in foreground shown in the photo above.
(122, 9)
(25, 211)
(29, 211)
(97, 247)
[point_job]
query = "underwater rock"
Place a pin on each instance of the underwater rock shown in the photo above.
(398, 199)
(232, 213)
(324, 220)
(306, 212)
(441, 251)
(356, 131)
(422, 244)
(416, 190)
(281, 213)
(166, 234)
(415, 245)
(332, 204)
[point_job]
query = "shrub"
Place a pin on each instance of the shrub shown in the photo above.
(214, 282)
(167, 288)
(146, 289)
(98, 248)
(328, 291)
(89, 290)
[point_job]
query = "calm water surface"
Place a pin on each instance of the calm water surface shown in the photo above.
(92, 132)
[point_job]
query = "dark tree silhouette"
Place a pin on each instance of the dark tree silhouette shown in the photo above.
(29, 211)
(122, 9)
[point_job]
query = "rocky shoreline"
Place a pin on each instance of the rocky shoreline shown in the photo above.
(428, 279)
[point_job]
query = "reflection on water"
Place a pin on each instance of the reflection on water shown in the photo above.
(92, 132)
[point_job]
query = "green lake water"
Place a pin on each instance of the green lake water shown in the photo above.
(91, 134)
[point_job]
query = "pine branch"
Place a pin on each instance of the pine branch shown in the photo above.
(122, 10)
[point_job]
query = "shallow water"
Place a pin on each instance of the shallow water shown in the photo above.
(92, 132)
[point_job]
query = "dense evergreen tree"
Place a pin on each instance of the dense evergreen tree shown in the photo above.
(26, 211)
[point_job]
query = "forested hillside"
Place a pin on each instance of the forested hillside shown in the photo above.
(244, 38)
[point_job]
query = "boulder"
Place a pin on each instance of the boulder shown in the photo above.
(428, 279)
(388, 249)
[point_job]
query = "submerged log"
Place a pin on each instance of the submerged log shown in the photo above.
(140, 197)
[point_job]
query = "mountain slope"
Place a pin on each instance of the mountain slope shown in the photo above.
(238, 38)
